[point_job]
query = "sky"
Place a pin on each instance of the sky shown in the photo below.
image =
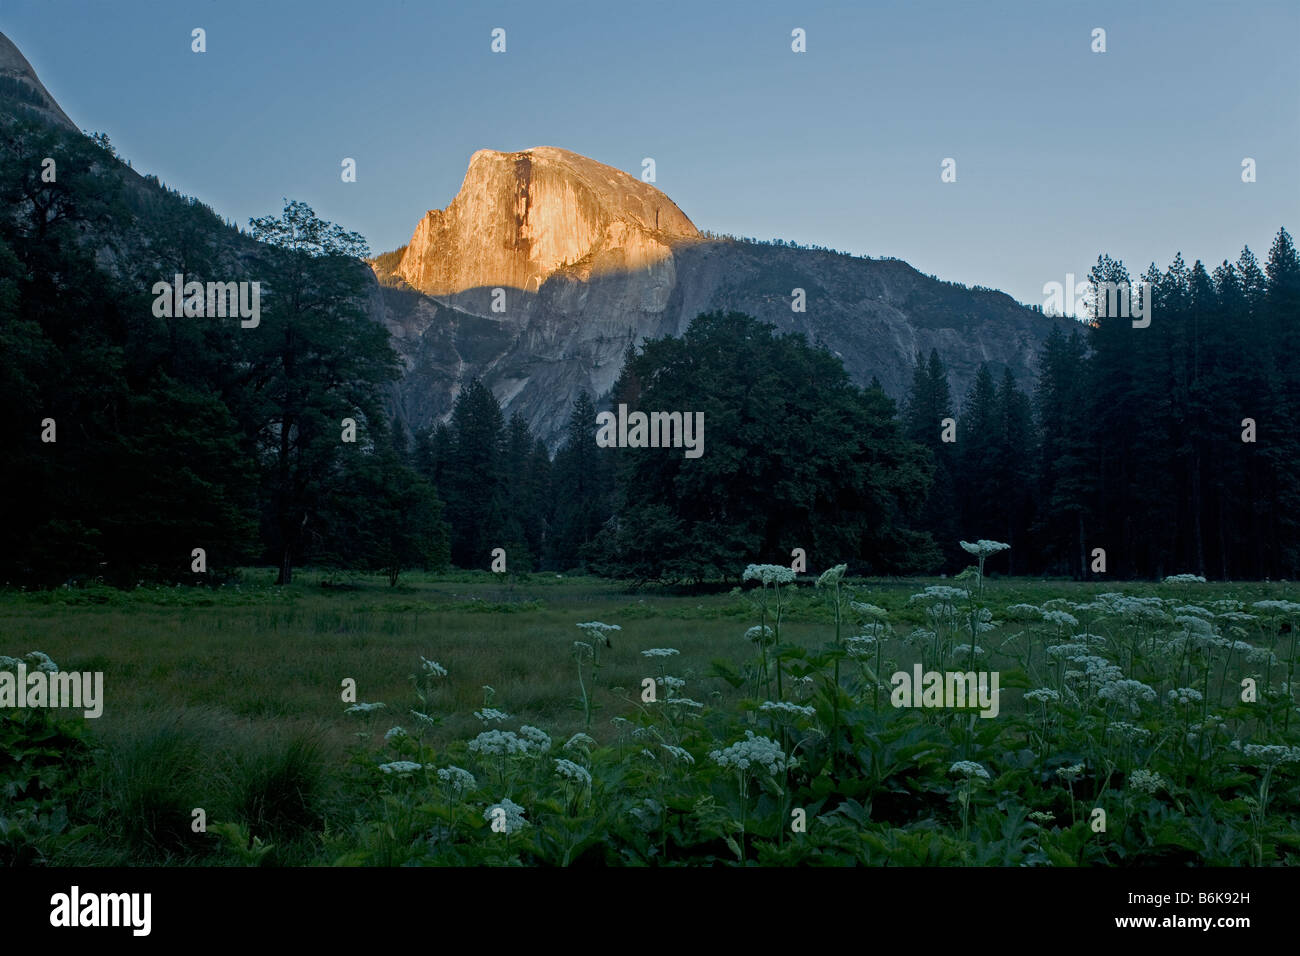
(1061, 153)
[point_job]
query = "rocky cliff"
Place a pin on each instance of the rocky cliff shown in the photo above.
(27, 89)
(521, 218)
(546, 265)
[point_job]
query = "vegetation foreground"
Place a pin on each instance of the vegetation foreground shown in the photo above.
(510, 721)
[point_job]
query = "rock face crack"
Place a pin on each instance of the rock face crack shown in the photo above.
(523, 199)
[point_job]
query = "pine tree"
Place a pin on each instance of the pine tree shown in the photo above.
(1282, 329)
(929, 404)
(1013, 468)
(581, 483)
(1066, 458)
(540, 491)
(978, 437)
(472, 477)
(518, 493)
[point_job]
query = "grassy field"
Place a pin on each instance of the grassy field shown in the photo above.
(230, 698)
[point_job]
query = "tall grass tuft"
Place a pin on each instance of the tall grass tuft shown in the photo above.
(278, 788)
(152, 776)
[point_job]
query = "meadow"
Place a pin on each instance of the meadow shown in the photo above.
(491, 724)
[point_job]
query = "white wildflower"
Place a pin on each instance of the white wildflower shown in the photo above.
(363, 708)
(424, 718)
(679, 753)
(1147, 781)
(1270, 754)
(598, 633)
(968, 769)
(498, 743)
(660, 652)
(1069, 652)
(535, 739)
(1281, 607)
(939, 594)
(869, 611)
(919, 635)
(784, 707)
(490, 715)
(752, 751)
(1260, 655)
(573, 772)
(983, 547)
(1061, 619)
(861, 646)
(832, 576)
(1025, 609)
(433, 667)
(1096, 671)
(509, 813)
(1044, 694)
(1129, 693)
(457, 780)
(579, 741)
(1129, 733)
(681, 702)
(1200, 630)
(399, 767)
(395, 733)
(768, 574)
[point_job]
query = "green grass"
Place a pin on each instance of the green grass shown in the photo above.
(258, 657)
(230, 698)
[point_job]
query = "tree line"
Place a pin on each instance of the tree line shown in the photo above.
(133, 439)
(1137, 452)
(140, 447)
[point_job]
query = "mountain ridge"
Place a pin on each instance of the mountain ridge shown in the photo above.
(547, 265)
(14, 66)
(541, 294)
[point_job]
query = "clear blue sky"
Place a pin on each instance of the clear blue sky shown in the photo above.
(1061, 153)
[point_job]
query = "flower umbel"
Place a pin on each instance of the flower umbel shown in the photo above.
(751, 752)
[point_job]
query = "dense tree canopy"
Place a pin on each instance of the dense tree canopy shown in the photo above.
(133, 438)
(794, 456)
